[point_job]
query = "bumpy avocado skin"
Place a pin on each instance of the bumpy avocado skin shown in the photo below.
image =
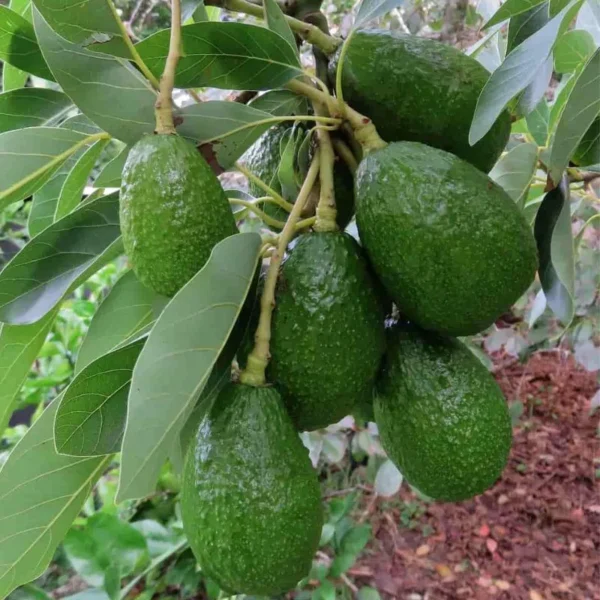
(421, 90)
(441, 416)
(327, 332)
(588, 151)
(173, 211)
(450, 246)
(262, 159)
(251, 502)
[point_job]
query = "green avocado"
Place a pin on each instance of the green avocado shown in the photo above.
(327, 330)
(262, 159)
(449, 245)
(441, 416)
(421, 90)
(251, 502)
(588, 150)
(173, 212)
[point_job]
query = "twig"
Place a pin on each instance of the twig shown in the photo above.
(337, 493)
(346, 154)
(258, 359)
(278, 198)
(164, 104)
(326, 211)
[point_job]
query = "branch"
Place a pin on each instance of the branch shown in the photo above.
(326, 211)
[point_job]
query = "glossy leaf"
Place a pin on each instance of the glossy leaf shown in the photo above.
(511, 8)
(225, 126)
(91, 417)
(91, 23)
(535, 92)
(561, 95)
(226, 55)
(517, 71)
(41, 493)
(524, 25)
(276, 22)
(373, 9)
(555, 248)
(43, 204)
(29, 157)
(128, 308)
(71, 192)
(515, 170)
(38, 277)
(108, 90)
(280, 103)
(12, 77)
(110, 176)
(537, 123)
(31, 107)
(178, 357)
(19, 347)
(588, 19)
(18, 46)
(581, 109)
(572, 51)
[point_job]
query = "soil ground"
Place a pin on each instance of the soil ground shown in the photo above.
(536, 534)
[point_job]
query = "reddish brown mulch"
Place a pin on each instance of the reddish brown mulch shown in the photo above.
(536, 534)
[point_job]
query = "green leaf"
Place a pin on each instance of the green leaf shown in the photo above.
(538, 122)
(356, 539)
(388, 479)
(368, 593)
(517, 71)
(30, 592)
(128, 308)
(280, 103)
(41, 494)
(103, 542)
(108, 90)
(511, 8)
(369, 10)
(341, 563)
(178, 358)
(91, 417)
(561, 95)
(44, 203)
(72, 189)
(29, 157)
(572, 51)
(91, 23)
(19, 346)
(18, 46)
(515, 170)
(12, 77)
(581, 109)
(231, 56)
(556, 6)
(276, 22)
(524, 25)
(110, 176)
(588, 19)
(555, 248)
(63, 255)
(30, 107)
(226, 126)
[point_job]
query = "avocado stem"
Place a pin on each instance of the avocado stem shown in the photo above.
(364, 130)
(344, 151)
(258, 359)
(163, 109)
(278, 198)
(310, 33)
(251, 206)
(326, 211)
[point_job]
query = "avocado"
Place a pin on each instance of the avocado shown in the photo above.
(441, 416)
(588, 150)
(421, 90)
(251, 502)
(327, 335)
(262, 159)
(173, 211)
(450, 246)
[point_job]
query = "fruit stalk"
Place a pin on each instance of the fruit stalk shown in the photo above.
(258, 359)
(313, 35)
(364, 130)
(278, 198)
(164, 103)
(346, 154)
(326, 211)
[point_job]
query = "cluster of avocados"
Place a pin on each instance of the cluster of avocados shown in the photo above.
(439, 240)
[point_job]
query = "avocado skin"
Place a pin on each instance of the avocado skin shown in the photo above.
(327, 330)
(173, 211)
(450, 246)
(421, 90)
(262, 159)
(251, 502)
(441, 416)
(588, 151)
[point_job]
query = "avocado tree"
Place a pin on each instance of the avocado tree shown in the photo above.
(246, 317)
